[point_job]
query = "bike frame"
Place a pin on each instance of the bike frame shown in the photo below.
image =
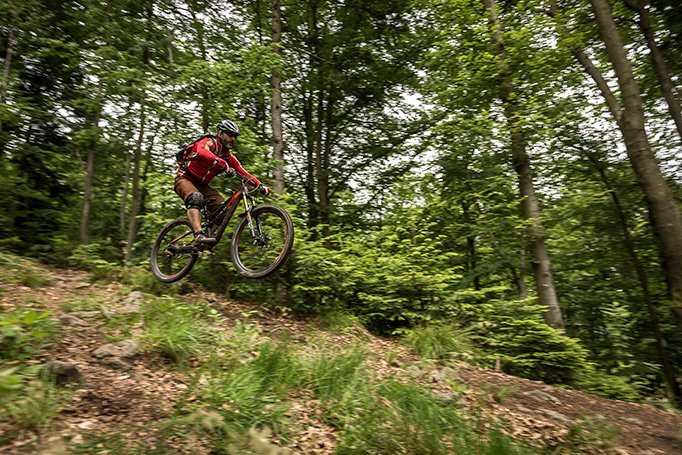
(241, 195)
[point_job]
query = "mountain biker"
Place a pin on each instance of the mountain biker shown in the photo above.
(208, 157)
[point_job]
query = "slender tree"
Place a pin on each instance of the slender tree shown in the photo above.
(136, 192)
(89, 176)
(530, 207)
(663, 210)
(7, 65)
(276, 104)
(661, 68)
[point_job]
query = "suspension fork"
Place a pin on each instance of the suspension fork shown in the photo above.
(255, 228)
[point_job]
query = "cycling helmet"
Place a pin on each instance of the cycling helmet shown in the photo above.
(228, 126)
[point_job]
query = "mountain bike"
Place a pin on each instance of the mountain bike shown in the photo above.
(260, 245)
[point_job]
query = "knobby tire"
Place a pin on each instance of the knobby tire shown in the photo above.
(162, 244)
(278, 228)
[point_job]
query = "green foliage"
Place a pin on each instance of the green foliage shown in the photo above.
(10, 381)
(244, 397)
(342, 322)
(514, 332)
(386, 89)
(608, 385)
(401, 419)
(89, 257)
(396, 277)
(331, 374)
(244, 388)
(23, 333)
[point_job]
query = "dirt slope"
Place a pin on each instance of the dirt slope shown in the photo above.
(128, 402)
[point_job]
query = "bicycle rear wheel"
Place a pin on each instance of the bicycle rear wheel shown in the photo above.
(261, 252)
(173, 256)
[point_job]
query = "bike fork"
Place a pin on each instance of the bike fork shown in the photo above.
(255, 228)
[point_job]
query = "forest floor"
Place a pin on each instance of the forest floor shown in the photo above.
(127, 404)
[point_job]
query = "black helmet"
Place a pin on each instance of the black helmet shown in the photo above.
(228, 126)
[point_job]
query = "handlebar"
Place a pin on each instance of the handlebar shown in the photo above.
(232, 173)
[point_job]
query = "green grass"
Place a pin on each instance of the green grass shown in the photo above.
(330, 372)
(441, 342)
(241, 387)
(90, 302)
(20, 271)
(175, 331)
(341, 322)
(35, 408)
(592, 432)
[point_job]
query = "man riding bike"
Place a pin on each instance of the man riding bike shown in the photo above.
(208, 157)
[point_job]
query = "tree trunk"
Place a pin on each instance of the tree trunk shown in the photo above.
(668, 370)
(276, 106)
(471, 247)
(4, 84)
(320, 172)
(591, 69)
(205, 102)
(124, 199)
(530, 207)
(667, 86)
(326, 151)
(132, 225)
(145, 173)
(311, 128)
(661, 203)
(310, 167)
(89, 176)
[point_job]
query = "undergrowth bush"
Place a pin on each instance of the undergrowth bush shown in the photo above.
(89, 257)
(607, 385)
(514, 333)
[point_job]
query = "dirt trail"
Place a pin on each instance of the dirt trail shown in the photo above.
(130, 402)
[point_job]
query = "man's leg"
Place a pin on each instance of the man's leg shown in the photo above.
(194, 217)
(194, 202)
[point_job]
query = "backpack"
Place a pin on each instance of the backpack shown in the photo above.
(186, 150)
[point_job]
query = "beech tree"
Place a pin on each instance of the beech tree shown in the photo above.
(663, 210)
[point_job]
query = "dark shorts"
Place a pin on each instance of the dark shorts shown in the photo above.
(184, 187)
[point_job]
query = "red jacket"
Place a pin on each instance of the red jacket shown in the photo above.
(209, 157)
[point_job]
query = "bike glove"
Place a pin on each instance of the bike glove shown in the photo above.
(264, 189)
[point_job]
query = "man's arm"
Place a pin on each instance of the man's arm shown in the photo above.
(234, 163)
(204, 151)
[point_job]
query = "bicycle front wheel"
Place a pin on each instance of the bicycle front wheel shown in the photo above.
(261, 245)
(173, 256)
